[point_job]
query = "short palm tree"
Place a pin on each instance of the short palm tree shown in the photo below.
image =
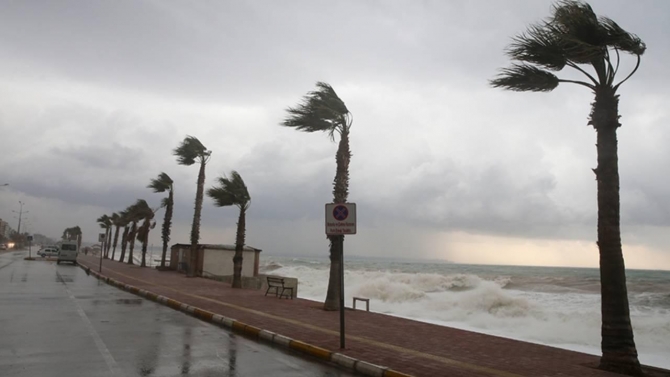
(323, 111)
(117, 221)
(190, 151)
(105, 223)
(162, 184)
(575, 37)
(233, 191)
(126, 223)
(135, 214)
(146, 214)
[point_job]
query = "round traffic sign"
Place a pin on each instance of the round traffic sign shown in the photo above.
(340, 213)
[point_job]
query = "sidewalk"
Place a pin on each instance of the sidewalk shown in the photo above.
(403, 345)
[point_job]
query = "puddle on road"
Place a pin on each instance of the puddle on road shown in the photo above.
(129, 301)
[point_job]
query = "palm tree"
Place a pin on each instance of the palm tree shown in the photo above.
(575, 37)
(230, 192)
(188, 153)
(161, 184)
(135, 214)
(323, 110)
(145, 213)
(105, 223)
(73, 234)
(117, 221)
(125, 222)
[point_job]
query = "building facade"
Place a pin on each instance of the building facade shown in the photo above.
(214, 260)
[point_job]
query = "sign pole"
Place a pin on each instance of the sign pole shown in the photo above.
(340, 220)
(340, 243)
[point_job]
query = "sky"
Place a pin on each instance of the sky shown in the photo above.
(95, 95)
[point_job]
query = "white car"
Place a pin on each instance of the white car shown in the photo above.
(48, 252)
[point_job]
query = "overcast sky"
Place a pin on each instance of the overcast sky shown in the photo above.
(95, 95)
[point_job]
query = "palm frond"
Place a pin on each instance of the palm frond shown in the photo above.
(622, 40)
(320, 110)
(538, 46)
(161, 184)
(525, 78)
(190, 150)
(230, 191)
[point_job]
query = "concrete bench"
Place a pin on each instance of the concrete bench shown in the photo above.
(277, 284)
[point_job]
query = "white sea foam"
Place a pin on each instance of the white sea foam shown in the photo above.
(562, 318)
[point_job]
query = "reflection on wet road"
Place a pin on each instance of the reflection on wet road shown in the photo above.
(57, 321)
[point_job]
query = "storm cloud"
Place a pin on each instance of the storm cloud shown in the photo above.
(95, 96)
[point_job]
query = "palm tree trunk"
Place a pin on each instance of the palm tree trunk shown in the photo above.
(195, 230)
(124, 242)
(108, 242)
(618, 345)
(144, 253)
(116, 239)
(239, 250)
(167, 223)
(131, 239)
(340, 195)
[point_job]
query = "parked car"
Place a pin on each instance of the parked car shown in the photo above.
(48, 252)
(3, 246)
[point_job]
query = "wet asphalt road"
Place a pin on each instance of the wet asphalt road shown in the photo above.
(57, 321)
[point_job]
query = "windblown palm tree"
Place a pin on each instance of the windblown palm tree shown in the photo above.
(161, 184)
(188, 153)
(575, 37)
(230, 192)
(73, 234)
(322, 110)
(105, 223)
(117, 221)
(146, 214)
(126, 223)
(135, 214)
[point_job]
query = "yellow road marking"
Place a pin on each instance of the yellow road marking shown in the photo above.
(444, 360)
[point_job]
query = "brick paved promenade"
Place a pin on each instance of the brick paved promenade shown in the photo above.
(404, 345)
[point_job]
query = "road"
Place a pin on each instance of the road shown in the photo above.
(57, 321)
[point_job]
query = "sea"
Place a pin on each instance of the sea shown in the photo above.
(555, 306)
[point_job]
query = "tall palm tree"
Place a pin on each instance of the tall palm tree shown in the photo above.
(135, 214)
(117, 221)
(126, 223)
(146, 214)
(230, 192)
(322, 110)
(105, 223)
(575, 37)
(190, 151)
(161, 184)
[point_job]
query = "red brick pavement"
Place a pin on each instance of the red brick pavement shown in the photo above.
(408, 346)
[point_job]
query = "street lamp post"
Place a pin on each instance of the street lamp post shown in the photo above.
(18, 228)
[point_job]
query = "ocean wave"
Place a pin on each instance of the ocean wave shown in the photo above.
(545, 310)
(269, 266)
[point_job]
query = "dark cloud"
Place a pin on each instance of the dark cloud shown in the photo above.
(94, 97)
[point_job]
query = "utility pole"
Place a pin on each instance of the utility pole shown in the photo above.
(18, 229)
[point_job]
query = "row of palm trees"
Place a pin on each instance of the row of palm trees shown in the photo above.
(230, 191)
(574, 36)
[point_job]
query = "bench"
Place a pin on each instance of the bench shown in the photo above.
(277, 284)
(365, 300)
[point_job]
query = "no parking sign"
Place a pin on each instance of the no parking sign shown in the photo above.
(340, 219)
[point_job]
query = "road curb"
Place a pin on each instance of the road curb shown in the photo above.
(344, 361)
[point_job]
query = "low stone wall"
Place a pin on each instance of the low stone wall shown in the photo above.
(259, 282)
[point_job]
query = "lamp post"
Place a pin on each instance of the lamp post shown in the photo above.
(18, 228)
